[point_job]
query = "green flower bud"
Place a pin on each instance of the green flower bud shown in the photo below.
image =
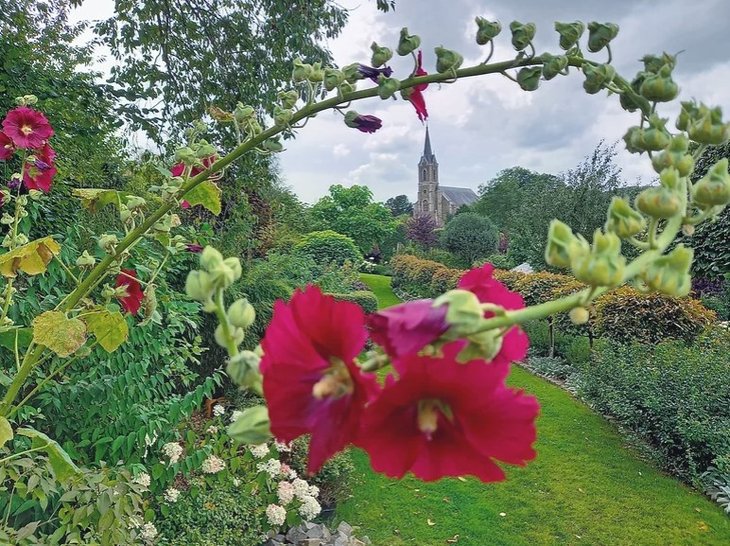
(185, 155)
(687, 113)
(553, 65)
(135, 203)
(252, 426)
(273, 145)
(204, 149)
(243, 113)
(282, 116)
(713, 189)
(347, 87)
(301, 71)
(237, 336)
(487, 30)
(108, 242)
(288, 99)
(447, 60)
(243, 369)
(604, 265)
(634, 101)
(562, 245)
(708, 128)
(198, 286)
(483, 345)
(225, 273)
(669, 274)
(670, 179)
(600, 34)
(317, 74)
(570, 33)
(241, 313)
(528, 78)
(675, 155)
(634, 139)
(124, 213)
(407, 43)
(332, 78)
(387, 87)
(653, 64)
(85, 260)
(688, 230)
(659, 87)
(210, 258)
(656, 136)
(352, 72)
(579, 315)
(659, 202)
(149, 303)
(464, 312)
(597, 77)
(522, 34)
(381, 55)
(623, 220)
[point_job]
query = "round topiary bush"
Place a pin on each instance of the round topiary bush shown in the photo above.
(470, 237)
(328, 247)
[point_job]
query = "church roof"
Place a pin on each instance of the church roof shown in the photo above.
(458, 196)
(427, 152)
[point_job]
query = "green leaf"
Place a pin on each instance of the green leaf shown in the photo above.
(31, 259)
(62, 465)
(24, 336)
(6, 431)
(59, 333)
(109, 328)
(95, 199)
(207, 194)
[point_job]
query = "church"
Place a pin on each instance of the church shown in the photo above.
(438, 202)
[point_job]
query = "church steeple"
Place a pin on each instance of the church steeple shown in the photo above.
(428, 182)
(428, 155)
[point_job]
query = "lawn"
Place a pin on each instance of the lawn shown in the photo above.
(585, 487)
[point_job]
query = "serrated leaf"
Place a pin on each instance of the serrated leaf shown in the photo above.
(59, 333)
(206, 194)
(62, 465)
(95, 199)
(6, 431)
(109, 328)
(31, 259)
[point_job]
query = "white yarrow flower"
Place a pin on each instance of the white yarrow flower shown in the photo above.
(310, 508)
(282, 447)
(213, 465)
(260, 451)
(218, 410)
(276, 514)
(172, 451)
(171, 494)
(143, 479)
(212, 429)
(235, 415)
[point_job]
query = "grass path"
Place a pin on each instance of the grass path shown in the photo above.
(585, 487)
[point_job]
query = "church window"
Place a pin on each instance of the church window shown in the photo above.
(424, 173)
(424, 206)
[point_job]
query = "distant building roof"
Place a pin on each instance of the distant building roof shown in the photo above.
(458, 196)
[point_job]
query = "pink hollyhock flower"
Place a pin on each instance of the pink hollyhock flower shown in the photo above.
(311, 382)
(133, 300)
(481, 283)
(7, 149)
(39, 174)
(416, 93)
(408, 327)
(179, 168)
(444, 418)
(27, 128)
(194, 248)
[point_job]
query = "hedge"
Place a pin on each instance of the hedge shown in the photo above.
(328, 247)
(365, 299)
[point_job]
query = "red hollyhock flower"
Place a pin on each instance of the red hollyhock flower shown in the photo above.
(443, 418)
(7, 149)
(311, 382)
(408, 327)
(39, 174)
(179, 168)
(416, 93)
(480, 282)
(27, 128)
(133, 300)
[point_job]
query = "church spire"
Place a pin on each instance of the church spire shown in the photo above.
(427, 153)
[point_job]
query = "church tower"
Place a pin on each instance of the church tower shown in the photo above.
(428, 182)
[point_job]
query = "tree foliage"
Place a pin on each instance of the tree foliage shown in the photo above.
(470, 237)
(399, 205)
(422, 231)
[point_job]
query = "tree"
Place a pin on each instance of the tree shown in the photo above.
(422, 231)
(328, 247)
(470, 237)
(399, 205)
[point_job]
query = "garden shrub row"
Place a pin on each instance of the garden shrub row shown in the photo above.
(363, 298)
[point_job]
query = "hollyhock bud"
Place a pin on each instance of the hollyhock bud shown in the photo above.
(463, 312)
(658, 202)
(135, 203)
(243, 113)
(708, 128)
(552, 65)
(669, 274)
(528, 78)
(407, 43)
(653, 64)
(282, 116)
(226, 273)
(604, 265)
(241, 313)
(317, 74)
(447, 59)
(687, 113)
(14, 182)
(210, 258)
(124, 213)
(237, 336)
(252, 426)
(713, 189)
(675, 155)
(273, 145)
(597, 77)
(352, 72)
(185, 155)
(288, 98)
(381, 55)
(579, 315)
(243, 369)
(108, 242)
(347, 87)
(656, 137)
(600, 34)
(623, 220)
(633, 101)
(332, 78)
(487, 30)
(659, 87)
(365, 124)
(198, 286)
(522, 34)
(634, 139)
(301, 71)
(562, 245)
(570, 33)
(85, 260)
(387, 87)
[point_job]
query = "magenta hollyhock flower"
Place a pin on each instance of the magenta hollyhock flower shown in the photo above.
(27, 128)
(481, 283)
(7, 148)
(444, 418)
(133, 300)
(416, 92)
(311, 382)
(179, 168)
(367, 123)
(374, 73)
(39, 174)
(195, 248)
(408, 327)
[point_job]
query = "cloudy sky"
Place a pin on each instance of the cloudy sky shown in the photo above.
(482, 125)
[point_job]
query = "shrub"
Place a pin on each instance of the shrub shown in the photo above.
(363, 298)
(470, 237)
(553, 368)
(500, 261)
(674, 395)
(328, 247)
(334, 479)
(422, 278)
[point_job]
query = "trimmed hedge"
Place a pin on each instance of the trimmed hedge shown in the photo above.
(364, 298)
(328, 247)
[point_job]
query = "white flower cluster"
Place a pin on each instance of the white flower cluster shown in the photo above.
(285, 491)
(301, 488)
(260, 451)
(212, 429)
(143, 479)
(310, 508)
(218, 410)
(213, 465)
(171, 494)
(235, 415)
(149, 532)
(307, 494)
(288, 472)
(272, 467)
(173, 451)
(276, 514)
(282, 447)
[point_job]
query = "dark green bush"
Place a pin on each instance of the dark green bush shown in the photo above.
(675, 396)
(470, 237)
(364, 299)
(328, 247)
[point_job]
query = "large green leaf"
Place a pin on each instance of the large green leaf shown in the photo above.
(59, 333)
(6, 431)
(23, 336)
(207, 194)
(95, 199)
(62, 465)
(31, 258)
(109, 328)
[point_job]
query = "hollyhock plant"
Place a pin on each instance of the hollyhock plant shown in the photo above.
(133, 300)
(416, 93)
(444, 418)
(408, 327)
(179, 168)
(39, 174)
(310, 380)
(363, 123)
(374, 73)
(7, 149)
(27, 128)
